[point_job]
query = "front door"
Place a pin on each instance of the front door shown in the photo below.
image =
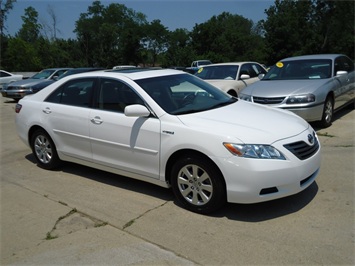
(130, 144)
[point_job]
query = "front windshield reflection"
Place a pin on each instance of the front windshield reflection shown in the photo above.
(183, 94)
(43, 74)
(300, 69)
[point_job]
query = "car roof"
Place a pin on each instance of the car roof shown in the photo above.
(56, 68)
(132, 73)
(315, 56)
(232, 63)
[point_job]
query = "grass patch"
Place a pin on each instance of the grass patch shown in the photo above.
(100, 224)
(50, 237)
(128, 224)
(326, 134)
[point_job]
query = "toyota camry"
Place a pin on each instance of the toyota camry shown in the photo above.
(171, 129)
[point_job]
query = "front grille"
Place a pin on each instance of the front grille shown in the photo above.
(302, 150)
(263, 100)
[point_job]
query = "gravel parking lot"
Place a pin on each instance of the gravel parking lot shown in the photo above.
(79, 216)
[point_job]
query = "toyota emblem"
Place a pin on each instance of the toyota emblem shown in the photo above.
(310, 139)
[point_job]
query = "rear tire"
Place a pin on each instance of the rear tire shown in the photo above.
(198, 184)
(44, 150)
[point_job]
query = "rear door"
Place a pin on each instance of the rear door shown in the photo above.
(66, 114)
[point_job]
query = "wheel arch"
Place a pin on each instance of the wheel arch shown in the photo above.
(32, 130)
(331, 95)
(232, 92)
(189, 152)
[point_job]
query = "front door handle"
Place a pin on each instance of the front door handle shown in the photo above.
(96, 120)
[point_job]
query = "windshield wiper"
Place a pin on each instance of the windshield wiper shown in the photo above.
(230, 101)
(190, 111)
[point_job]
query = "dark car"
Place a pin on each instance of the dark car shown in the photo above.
(39, 86)
(18, 89)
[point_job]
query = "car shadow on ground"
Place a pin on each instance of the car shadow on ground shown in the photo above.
(112, 179)
(239, 212)
(11, 101)
(269, 210)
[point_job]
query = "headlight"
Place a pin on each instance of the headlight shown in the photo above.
(306, 98)
(245, 97)
(256, 151)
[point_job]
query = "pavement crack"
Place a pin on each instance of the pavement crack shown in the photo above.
(129, 223)
(71, 222)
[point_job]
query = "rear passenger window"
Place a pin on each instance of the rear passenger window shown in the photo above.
(76, 92)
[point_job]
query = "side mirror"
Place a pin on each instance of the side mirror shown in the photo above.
(244, 76)
(136, 110)
(341, 72)
(261, 76)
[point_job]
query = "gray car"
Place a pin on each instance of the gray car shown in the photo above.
(312, 86)
(18, 89)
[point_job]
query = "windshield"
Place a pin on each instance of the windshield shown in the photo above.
(184, 93)
(45, 74)
(204, 63)
(218, 72)
(300, 69)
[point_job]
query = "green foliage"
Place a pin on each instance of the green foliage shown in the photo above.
(309, 27)
(5, 7)
(180, 51)
(154, 41)
(30, 27)
(109, 35)
(21, 56)
(116, 35)
(226, 38)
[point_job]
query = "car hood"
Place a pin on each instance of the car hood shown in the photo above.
(250, 123)
(276, 88)
(27, 82)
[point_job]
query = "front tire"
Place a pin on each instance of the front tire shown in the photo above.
(44, 150)
(328, 111)
(198, 184)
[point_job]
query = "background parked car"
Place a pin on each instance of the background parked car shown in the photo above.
(312, 86)
(18, 89)
(7, 77)
(196, 65)
(72, 71)
(231, 77)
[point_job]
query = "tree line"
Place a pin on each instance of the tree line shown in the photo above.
(116, 35)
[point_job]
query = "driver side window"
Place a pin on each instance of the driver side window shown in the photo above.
(115, 95)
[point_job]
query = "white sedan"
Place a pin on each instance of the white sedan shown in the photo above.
(7, 77)
(232, 77)
(172, 129)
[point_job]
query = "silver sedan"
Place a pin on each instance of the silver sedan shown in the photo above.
(312, 86)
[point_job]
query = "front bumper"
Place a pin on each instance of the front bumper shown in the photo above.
(15, 94)
(258, 180)
(310, 114)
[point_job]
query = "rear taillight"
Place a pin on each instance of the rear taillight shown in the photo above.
(18, 108)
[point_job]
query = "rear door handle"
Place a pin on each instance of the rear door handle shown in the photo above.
(96, 120)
